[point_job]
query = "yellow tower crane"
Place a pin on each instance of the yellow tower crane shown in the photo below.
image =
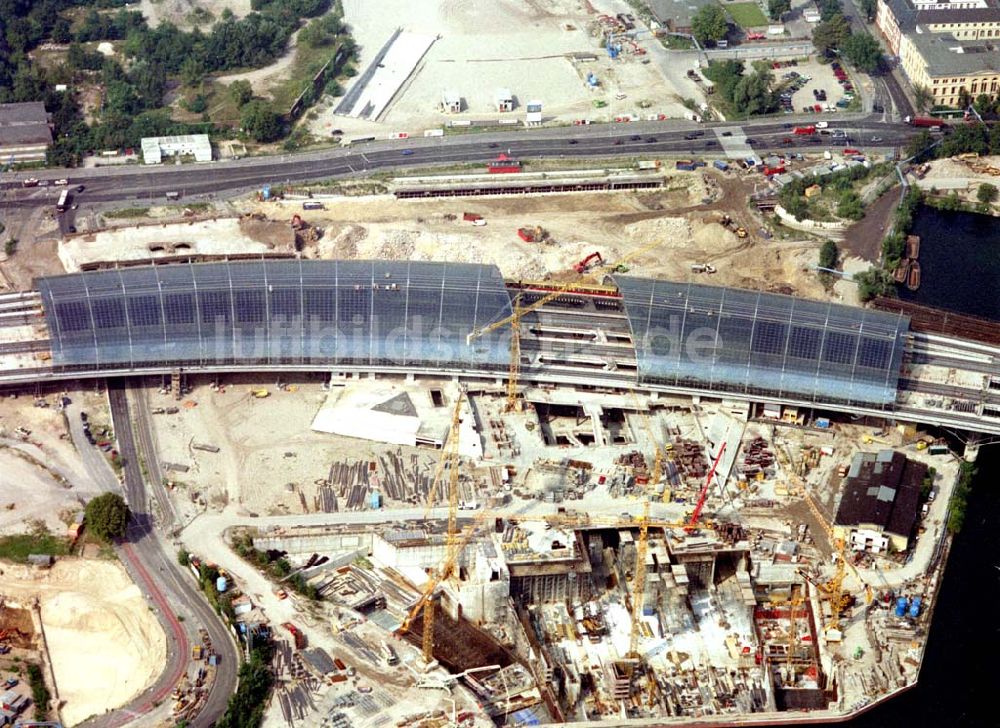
(449, 457)
(519, 312)
(639, 582)
(833, 588)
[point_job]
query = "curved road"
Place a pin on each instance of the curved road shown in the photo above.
(155, 568)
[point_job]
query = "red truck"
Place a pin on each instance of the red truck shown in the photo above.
(300, 639)
(924, 121)
(804, 130)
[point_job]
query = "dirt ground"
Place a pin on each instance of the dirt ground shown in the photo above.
(270, 471)
(183, 13)
(525, 47)
(105, 644)
(616, 224)
(42, 476)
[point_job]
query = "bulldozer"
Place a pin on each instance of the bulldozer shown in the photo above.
(260, 393)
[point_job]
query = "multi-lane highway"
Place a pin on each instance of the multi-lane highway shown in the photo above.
(131, 184)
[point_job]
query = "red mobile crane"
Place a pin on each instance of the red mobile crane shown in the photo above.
(693, 523)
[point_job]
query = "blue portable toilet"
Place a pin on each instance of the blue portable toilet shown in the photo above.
(220, 584)
(266, 192)
(901, 604)
(376, 500)
(915, 608)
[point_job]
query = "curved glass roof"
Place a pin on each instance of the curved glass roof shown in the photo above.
(762, 344)
(288, 312)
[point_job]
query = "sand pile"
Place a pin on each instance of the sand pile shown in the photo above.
(104, 642)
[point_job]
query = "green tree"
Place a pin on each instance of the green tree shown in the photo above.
(828, 255)
(322, 31)
(874, 282)
(62, 31)
(986, 193)
(829, 8)
(994, 139)
(863, 51)
(920, 143)
(849, 206)
(240, 92)
(709, 23)
(922, 98)
(198, 104)
(868, 8)
(753, 95)
(260, 122)
(192, 71)
(831, 34)
(107, 516)
(984, 104)
(796, 207)
(183, 557)
(777, 8)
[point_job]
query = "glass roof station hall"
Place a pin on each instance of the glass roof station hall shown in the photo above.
(763, 344)
(391, 315)
(407, 316)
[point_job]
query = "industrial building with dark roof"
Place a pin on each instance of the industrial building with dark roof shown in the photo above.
(880, 501)
(24, 132)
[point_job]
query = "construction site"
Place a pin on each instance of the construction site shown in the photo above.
(600, 558)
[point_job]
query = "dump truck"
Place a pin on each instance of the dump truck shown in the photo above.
(300, 639)
(804, 130)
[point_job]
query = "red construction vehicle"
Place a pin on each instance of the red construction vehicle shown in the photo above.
(300, 639)
(696, 514)
(804, 130)
(584, 264)
(924, 121)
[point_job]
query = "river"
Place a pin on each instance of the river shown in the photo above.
(960, 269)
(959, 262)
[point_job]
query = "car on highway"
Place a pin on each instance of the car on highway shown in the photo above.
(80, 188)
(751, 141)
(407, 152)
(618, 142)
(634, 138)
(61, 182)
(710, 143)
(573, 141)
(876, 139)
(650, 140)
(493, 145)
(727, 133)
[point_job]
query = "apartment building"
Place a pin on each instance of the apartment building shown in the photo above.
(946, 47)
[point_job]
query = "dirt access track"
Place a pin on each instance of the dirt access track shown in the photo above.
(104, 642)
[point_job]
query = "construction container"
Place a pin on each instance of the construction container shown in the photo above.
(901, 604)
(721, 165)
(822, 422)
(685, 165)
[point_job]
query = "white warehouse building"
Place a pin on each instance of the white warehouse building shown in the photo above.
(155, 148)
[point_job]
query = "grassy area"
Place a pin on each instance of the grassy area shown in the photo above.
(746, 15)
(308, 61)
(17, 547)
(127, 212)
(676, 43)
(39, 692)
